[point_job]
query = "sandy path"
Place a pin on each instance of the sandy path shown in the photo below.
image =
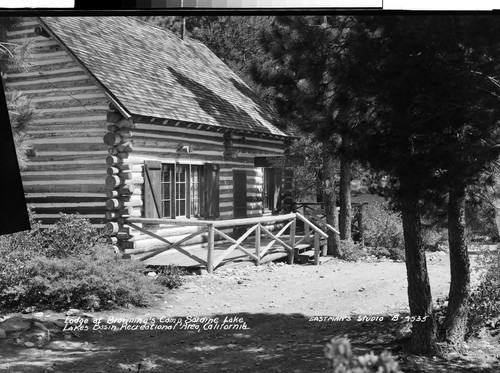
(334, 288)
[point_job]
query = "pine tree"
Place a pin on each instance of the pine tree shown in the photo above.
(14, 57)
(302, 75)
(21, 112)
(426, 91)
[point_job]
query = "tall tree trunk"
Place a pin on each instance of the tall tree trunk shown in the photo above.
(419, 289)
(455, 324)
(497, 217)
(494, 199)
(329, 198)
(345, 194)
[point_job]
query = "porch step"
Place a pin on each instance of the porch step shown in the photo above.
(271, 257)
(301, 247)
(305, 257)
(299, 250)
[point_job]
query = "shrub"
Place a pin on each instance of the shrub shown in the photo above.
(434, 238)
(485, 299)
(383, 232)
(480, 220)
(342, 359)
(16, 249)
(71, 235)
(39, 269)
(98, 279)
(394, 253)
(171, 276)
(351, 252)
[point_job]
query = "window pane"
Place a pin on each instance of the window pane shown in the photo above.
(182, 208)
(166, 174)
(166, 191)
(181, 174)
(182, 190)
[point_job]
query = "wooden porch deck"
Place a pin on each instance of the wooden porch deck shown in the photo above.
(258, 243)
(179, 259)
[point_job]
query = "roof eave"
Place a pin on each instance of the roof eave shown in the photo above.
(206, 127)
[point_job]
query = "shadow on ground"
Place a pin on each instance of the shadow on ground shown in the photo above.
(270, 343)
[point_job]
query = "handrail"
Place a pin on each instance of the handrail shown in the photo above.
(311, 225)
(215, 223)
(168, 221)
(318, 220)
(307, 205)
(332, 229)
(256, 220)
(310, 203)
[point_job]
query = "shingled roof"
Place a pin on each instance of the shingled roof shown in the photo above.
(152, 72)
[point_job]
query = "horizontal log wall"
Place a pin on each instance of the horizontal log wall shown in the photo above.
(66, 171)
(159, 140)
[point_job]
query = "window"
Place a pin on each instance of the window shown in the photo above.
(181, 190)
(271, 191)
(181, 178)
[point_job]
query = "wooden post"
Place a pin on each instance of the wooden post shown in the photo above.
(324, 248)
(316, 248)
(257, 243)
(210, 253)
(306, 226)
(292, 241)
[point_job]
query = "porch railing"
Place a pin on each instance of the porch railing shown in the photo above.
(315, 211)
(214, 228)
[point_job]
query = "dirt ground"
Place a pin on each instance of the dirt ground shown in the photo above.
(272, 318)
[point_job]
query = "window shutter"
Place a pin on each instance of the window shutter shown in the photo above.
(211, 181)
(152, 189)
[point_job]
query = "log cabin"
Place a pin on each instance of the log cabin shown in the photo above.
(133, 121)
